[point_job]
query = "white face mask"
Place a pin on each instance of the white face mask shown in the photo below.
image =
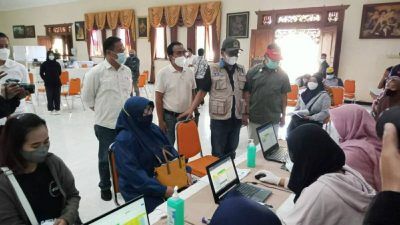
(4, 54)
(312, 85)
(51, 57)
(322, 60)
(180, 61)
(231, 60)
(330, 77)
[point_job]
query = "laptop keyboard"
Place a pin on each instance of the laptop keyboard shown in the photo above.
(280, 155)
(247, 190)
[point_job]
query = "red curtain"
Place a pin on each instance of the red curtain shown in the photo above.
(215, 43)
(174, 33)
(88, 41)
(191, 37)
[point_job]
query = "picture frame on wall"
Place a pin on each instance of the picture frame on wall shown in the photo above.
(380, 21)
(237, 25)
(19, 31)
(30, 31)
(142, 27)
(80, 34)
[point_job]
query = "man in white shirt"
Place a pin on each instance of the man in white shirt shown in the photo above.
(175, 87)
(11, 69)
(189, 57)
(106, 88)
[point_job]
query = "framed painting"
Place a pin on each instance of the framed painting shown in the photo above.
(19, 31)
(80, 31)
(237, 25)
(142, 27)
(30, 31)
(380, 21)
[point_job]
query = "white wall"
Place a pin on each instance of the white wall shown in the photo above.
(362, 60)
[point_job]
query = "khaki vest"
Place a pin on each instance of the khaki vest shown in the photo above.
(221, 93)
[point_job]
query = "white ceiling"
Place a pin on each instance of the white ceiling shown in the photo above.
(7, 5)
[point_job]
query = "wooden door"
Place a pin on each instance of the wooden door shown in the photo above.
(44, 41)
(328, 43)
(258, 44)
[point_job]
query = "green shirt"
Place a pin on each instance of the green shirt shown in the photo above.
(266, 88)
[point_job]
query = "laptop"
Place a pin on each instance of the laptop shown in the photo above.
(269, 144)
(131, 213)
(223, 179)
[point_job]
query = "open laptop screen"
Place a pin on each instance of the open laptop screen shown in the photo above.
(266, 135)
(223, 174)
(131, 213)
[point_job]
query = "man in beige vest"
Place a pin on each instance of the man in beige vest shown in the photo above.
(226, 82)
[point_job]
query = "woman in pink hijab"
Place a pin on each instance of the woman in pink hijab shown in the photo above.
(358, 139)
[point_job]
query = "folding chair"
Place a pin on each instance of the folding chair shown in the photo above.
(142, 82)
(350, 90)
(188, 143)
(114, 174)
(337, 96)
(73, 90)
(293, 95)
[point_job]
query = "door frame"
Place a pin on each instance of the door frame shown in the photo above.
(329, 16)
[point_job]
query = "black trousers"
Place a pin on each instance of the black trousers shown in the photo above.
(53, 97)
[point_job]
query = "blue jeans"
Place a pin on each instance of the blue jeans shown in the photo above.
(106, 137)
(225, 136)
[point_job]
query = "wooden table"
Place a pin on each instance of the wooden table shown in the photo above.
(201, 203)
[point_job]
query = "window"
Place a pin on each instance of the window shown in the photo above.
(96, 43)
(124, 34)
(160, 43)
(58, 44)
(204, 40)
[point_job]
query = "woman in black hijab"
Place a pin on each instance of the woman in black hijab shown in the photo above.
(313, 105)
(50, 71)
(326, 190)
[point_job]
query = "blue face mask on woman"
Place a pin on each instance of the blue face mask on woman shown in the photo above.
(273, 65)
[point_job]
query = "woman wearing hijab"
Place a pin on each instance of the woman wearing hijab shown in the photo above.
(240, 210)
(326, 190)
(137, 146)
(50, 72)
(358, 139)
(313, 105)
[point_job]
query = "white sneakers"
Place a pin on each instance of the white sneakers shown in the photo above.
(54, 112)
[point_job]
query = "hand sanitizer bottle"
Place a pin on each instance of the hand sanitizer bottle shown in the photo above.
(175, 209)
(251, 154)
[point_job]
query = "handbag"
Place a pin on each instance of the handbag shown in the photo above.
(173, 172)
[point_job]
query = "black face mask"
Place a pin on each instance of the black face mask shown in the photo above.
(390, 93)
(132, 55)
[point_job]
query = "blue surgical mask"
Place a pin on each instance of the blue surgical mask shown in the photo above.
(121, 58)
(273, 65)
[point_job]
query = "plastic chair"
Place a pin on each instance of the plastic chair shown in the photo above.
(64, 77)
(350, 90)
(114, 174)
(73, 90)
(293, 95)
(142, 81)
(337, 96)
(188, 143)
(84, 66)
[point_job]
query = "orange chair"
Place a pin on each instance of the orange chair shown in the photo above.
(188, 143)
(73, 90)
(114, 174)
(350, 90)
(64, 77)
(142, 82)
(337, 96)
(293, 95)
(84, 66)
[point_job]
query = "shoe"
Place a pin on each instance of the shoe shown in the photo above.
(57, 112)
(51, 112)
(106, 195)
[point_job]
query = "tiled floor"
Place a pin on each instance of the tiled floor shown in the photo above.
(72, 138)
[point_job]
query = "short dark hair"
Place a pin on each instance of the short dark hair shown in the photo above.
(3, 35)
(200, 52)
(190, 50)
(323, 54)
(170, 48)
(109, 43)
(13, 137)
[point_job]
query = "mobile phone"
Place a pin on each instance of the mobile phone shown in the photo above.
(391, 115)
